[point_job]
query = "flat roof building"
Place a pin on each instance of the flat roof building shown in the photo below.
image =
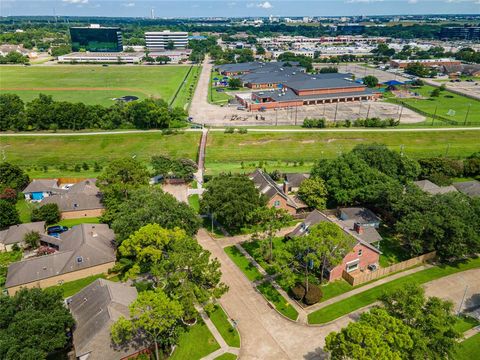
(102, 57)
(425, 62)
(460, 33)
(159, 40)
(96, 39)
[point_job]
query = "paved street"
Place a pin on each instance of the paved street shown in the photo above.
(266, 334)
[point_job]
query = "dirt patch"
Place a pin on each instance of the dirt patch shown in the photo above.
(307, 141)
(266, 141)
(351, 139)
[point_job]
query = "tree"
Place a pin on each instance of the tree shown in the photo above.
(260, 50)
(377, 335)
(153, 315)
(174, 168)
(313, 192)
(48, 213)
(170, 45)
(33, 323)
(8, 214)
(418, 69)
(387, 161)
(370, 81)
(328, 70)
(149, 205)
(230, 199)
(32, 239)
(267, 221)
(13, 176)
(431, 317)
(12, 112)
(234, 83)
(435, 92)
(472, 165)
(162, 59)
(176, 263)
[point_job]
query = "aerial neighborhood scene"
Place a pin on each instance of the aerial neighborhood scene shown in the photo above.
(215, 179)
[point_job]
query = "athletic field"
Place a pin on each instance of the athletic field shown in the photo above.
(93, 84)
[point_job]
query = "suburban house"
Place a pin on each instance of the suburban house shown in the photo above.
(293, 181)
(276, 196)
(82, 199)
(84, 250)
(15, 234)
(95, 308)
(469, 188)
(39, 189)
(433, 189)
(358, 215)
(364, 252)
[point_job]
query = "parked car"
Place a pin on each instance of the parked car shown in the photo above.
(57, 229)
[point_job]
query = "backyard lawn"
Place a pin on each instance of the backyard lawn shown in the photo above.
(243, 264)
(24, 209)
(93, 84)
(223, 325)
(445, 103)
(72, 287)
(297, 152)
(468, 349)
(195, 343)
(368, 297)
(72, 222)
(34, 153)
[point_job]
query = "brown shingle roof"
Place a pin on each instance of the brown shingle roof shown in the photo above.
(84, 195)
(42, 185)
(16, 233)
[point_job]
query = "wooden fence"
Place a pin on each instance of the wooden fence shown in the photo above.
(365, 277)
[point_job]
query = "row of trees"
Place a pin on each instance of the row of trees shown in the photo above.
(44, 113)
(374, 176)
(12, 181)
(14, 57)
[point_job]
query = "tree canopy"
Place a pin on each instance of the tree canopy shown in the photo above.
(8, 214)
(174, 168)
(48, 213)
(33, 323)
(313, 192)
(12, 176)
(231, 198)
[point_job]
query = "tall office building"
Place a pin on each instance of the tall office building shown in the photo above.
(459, 32)
(159, 40)
(96, 39)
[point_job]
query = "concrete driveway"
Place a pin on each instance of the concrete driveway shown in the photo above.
(179, 191)
(265, 334)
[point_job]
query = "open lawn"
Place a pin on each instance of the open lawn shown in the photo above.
(465, 323)
(468, 349)
(185, 94)
(244, 265)
(24, 209)
(32, 153)
(195, 343)
(444, 103)
(226, 356)
(227, 152)
(93, 84)
(228, 332)
(368, 297)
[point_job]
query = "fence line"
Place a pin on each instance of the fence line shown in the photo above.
(360, 279)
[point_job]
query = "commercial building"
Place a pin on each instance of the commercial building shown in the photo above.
(96, 38)
(460, 33)
(105, 57)
(159, 40)
(285, 84)
(425, 62)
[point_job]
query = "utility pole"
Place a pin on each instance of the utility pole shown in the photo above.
(368, 111)
(276, 116)
(434, 114)
(296, 113)
(336, 109)
(400, 116)
(466, 116)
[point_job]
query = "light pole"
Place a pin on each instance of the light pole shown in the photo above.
(468, 112)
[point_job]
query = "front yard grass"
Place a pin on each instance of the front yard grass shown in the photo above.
(194, 202)
(468, 349)
(465, 323)
(368, 297)
(282, 305)
(250, 271)
(24, 209)
(195, 343)
(228, 332)
(226, 356)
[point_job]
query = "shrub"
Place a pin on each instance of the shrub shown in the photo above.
(229, 130)
(313, 295)
(242, 130)
(298, 292)
(314, 123)
(32, 239)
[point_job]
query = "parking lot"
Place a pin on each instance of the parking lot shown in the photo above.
(469, 88)
(361, 71)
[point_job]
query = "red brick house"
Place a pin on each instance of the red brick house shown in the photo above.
(363, 253)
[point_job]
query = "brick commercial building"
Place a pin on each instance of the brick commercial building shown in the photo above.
(402, 64)
(287, 85)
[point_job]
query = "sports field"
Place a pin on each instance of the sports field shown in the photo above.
(448, 105)
(296, 152)
(93, 84)
(34, 153)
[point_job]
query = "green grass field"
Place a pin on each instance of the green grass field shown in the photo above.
(226, 356)
(355, 302)
(184, 96)
(445, 102)
(468, 349)
(93, 84)
(243, 264)
(32, 153)
(195, 343)
(228, 332)
(226, 152)
(282, 305)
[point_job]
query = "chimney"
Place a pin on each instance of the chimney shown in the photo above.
(285, 186)
(358, 228)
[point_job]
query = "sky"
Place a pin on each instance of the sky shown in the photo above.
(235, 8)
